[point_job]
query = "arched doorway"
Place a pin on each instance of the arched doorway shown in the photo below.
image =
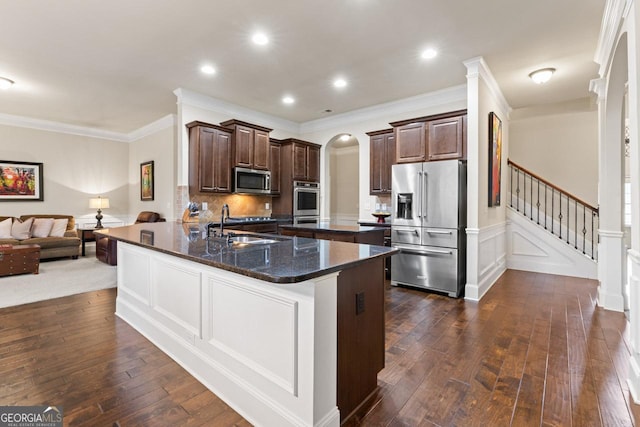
(612, 263)
(342, 179)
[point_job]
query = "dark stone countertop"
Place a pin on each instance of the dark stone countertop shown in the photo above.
(290, 260)
(325, 226)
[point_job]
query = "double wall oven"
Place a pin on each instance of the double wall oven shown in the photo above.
(306, 202)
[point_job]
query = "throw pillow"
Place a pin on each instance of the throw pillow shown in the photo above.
(59, 227)
(5, 229)
(21, 230)
(41, 227)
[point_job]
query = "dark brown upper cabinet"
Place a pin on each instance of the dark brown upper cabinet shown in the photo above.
(209, 154)
(250, 145)
(437, 137)
(382, 154)
(274, 167)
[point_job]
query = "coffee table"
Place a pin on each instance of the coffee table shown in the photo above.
(19, 259)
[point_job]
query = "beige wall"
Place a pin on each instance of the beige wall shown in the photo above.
(159, 147)
(561, 148)
(75, 169)
(344, 183)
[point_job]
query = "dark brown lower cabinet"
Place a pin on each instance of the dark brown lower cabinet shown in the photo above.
(360, 335)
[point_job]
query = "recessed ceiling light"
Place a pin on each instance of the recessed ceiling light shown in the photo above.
(208, 69)
(288, 100)
(345, 137)
(5, 83)
(260, 39)
(542, 75)
(339, 82)
(429, 53)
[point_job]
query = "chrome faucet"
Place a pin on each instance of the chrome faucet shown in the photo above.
(225, 207)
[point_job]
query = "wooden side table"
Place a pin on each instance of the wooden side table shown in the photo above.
(19, 259)
(86, 235)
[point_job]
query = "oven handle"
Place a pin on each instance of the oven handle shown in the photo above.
(423, 251)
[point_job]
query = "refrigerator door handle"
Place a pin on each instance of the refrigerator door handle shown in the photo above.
(424, 194)
(423, 251)
(408, 232)
(419, 195)
(430, 231)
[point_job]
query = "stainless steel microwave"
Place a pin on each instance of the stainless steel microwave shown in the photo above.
(251, 181)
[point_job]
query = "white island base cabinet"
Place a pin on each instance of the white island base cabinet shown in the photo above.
(266, 349)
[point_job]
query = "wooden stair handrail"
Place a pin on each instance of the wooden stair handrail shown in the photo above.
(555, 187)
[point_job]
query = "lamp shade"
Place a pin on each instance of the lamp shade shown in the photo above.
(99, 203)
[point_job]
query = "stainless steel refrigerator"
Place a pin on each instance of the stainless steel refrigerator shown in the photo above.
(428, 225)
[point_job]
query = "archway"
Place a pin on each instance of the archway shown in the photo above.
(342, 172)
(611, 249)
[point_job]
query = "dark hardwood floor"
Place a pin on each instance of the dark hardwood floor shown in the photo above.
(535, 351)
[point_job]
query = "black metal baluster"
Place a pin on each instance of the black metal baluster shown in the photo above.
(575, 230)
(518, 190)
(568, 219)
(584, 227)
(553, 191)
(545, 206)
(511, 183)
(592, 236)
(524, 194)
(538, 203)
(560, 215)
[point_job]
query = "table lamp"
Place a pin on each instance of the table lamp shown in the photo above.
(99, 203)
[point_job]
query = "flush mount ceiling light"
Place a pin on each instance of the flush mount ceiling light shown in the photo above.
(5, 83)
(208, 69)
(260, 39)
(542, 75)
(345, 137)
(339, 83)
(429, 53)
(288, 100)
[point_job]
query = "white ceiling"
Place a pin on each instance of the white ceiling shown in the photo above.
(113, 65)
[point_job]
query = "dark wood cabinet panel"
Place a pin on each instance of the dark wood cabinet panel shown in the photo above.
(382, 152)
(299, 162)
(261, 150)
(274, 166)
(437, 137)
(250, 144)
(313, 164)
(410, 143)
(444, 139)
(243, 137)
(209, 154)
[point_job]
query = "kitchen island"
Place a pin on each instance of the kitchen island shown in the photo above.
(342, 233)
(258, 323)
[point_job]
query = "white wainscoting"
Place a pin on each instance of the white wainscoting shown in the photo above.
(268, 350)
(486, 256)
(531, 248)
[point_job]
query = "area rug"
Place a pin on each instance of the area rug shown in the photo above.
(58, 278)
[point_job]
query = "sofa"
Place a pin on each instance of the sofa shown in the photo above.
(67, 245)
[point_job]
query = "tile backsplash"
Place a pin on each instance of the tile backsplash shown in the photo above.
(239, 205)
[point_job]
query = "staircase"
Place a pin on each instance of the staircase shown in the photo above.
(549, 229)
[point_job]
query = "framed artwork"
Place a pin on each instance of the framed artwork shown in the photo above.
(146, 181)
(20, 181)
(146, 237)
(495, 158)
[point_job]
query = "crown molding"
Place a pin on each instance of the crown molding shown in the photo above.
(477, 67)
(51, 126)
(612, 20)
(165, 122)
(389, 109)
(195, 99)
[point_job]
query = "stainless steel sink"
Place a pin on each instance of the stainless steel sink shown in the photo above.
(253, 240)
